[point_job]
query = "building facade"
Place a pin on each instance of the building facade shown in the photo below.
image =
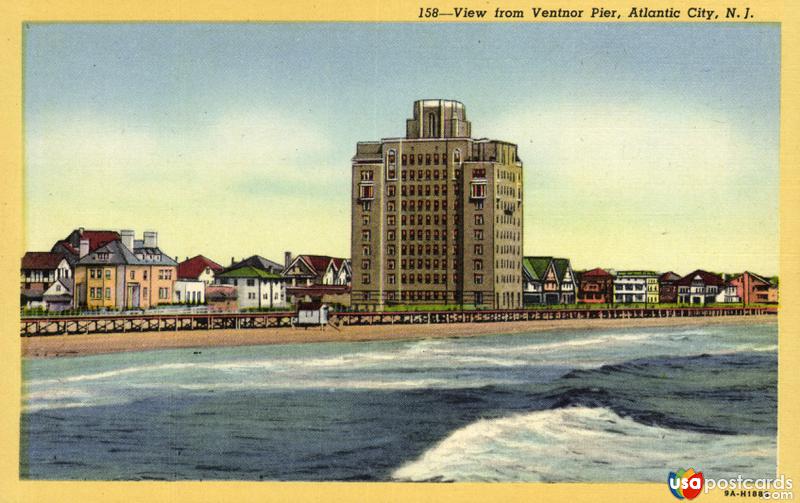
(437, 215)
(699, 288)
(752, 288)
(596, 287)
(124, 274)
(255, 288)
(668, 288)
(631, 287)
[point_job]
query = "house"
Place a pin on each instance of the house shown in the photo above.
(255, 288)
(58, 297)
(38, 271)
(199, 268)
(307, 270)
(533, 269)
(221, 298)
(667, 288)
(596, 287)
(699, 288)
(566, 280)
(548, 280)
(189, 291)
(752, 288)
(727, 294)
(636, 287)
(318, 278)
(124, 274)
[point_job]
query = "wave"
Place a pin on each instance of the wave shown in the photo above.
(577, 444)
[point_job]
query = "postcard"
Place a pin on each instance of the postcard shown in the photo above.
(439, 249)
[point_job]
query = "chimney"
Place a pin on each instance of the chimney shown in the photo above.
(80, 231)
(233, 261)
(84, 249)
(126, 236)
(287, 258)
(150, 239)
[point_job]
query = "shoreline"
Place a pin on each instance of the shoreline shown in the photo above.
(57, 346)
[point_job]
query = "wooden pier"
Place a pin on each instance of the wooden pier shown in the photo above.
(59, 325)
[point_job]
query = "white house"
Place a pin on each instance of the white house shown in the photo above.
(189, 291)
(632, 286)
(256, 289)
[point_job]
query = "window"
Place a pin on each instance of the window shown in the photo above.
(390, 190)
(390, 250)
(366, 175)
(411, 162)
(251, 295)
(108, 293)
(144, 274)
(133, 274)
(479, 204)
(478, 279)
(366, 192)
(365, 264)
(251, 282)
(479, 219)
(436, 158)
(479, 173)
(366, 250)
(479, 234)
(478, 249)
(477, 191)
(427, 159)
(390, 206)
(457, 156)
(478, 265)
(390, 264)
(365, 235)
(365, 279)
(108, 273)
(390, 279)
(432, 125)
(404, 159)
(391, 168)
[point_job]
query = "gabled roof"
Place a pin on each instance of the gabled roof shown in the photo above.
(66, 287)
(562, 266)
(247, 272)
(96, 238)
(597, 273)
(536, 266)
(118, 254)
(669, 276)
(757, 277)
(707, 278)
(258, 262)
(42, 260)
(195, 266)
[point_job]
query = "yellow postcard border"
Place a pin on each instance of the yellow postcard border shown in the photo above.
(12, 16)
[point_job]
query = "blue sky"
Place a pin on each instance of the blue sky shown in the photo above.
(644, 145)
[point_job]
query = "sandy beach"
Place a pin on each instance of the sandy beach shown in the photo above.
(79, 345)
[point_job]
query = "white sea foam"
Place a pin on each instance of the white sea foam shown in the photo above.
(583, 444)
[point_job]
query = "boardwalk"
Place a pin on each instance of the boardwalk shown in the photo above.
(53, 325)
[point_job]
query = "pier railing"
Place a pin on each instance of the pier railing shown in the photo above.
(58, 325)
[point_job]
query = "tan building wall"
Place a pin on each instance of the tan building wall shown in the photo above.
(437, 216)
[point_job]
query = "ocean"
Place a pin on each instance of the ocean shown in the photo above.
(622, 404)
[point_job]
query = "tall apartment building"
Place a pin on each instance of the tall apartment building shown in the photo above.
(437, 215)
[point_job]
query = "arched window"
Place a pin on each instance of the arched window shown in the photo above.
(457, 156)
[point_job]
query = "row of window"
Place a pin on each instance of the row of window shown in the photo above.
(507, 278)
(97, 293)
(98, 273)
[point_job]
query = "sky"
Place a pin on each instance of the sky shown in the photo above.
(644, 146)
